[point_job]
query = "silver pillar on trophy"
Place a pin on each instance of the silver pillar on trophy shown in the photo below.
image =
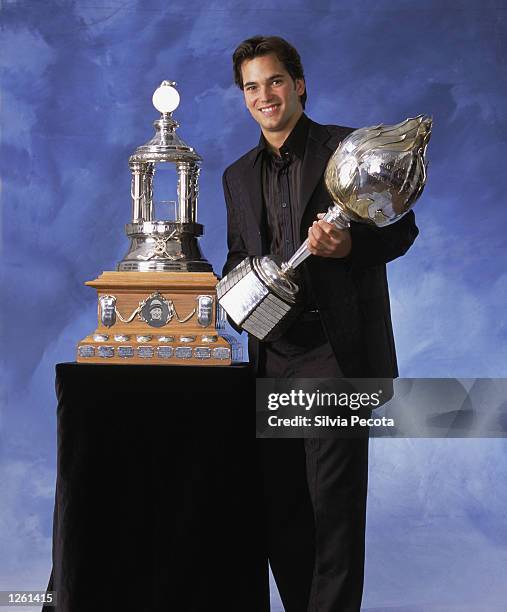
(169, 244)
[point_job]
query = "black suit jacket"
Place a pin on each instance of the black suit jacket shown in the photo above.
(351, 293)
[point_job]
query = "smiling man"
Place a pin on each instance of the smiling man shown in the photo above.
(313, 491)
(272, 96)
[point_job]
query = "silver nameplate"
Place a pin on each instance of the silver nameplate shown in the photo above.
(121, 338)
(183, 352)
(165, 338)
(164, 352)
(204, 310)
(187, 338)
(145, 351)
(85, 351)
(107, 310)
(202, 352)
(221, 352)
(125, 351)
(144, 338)
(209, 338)
(101, 337)
(105, 351)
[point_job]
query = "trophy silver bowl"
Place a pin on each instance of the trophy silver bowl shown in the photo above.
(375, 176)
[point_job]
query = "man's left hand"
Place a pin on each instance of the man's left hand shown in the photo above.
(326, 240)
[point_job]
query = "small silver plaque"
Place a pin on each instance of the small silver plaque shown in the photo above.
(121, 338)
(202, 352)
(166, 338)
(125, 351)
(107, 310)
(85, 351)
(187, 338)
(221, 352)
(209, 338)
(164, 352)
(204, 310)
(144, 338)
(101, 337)
(183, 352)
(145, 351)
(105, 351)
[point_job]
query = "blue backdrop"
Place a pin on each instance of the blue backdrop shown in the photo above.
(77, 79)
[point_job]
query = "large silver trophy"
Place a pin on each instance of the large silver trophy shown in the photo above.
(159, 306)
(375, 176)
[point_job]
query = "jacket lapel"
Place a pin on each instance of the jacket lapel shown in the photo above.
(253, 199)
(317, 155)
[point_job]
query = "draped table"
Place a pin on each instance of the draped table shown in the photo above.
(156, 491)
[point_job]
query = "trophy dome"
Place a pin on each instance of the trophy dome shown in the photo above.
(166, 145)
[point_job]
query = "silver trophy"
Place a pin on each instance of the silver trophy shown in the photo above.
(160, 306)
(171, 244)
(375, 176)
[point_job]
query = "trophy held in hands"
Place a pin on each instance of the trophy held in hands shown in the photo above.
(160, 306)
(375, 176)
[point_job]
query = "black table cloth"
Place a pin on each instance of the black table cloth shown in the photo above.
(156, 490)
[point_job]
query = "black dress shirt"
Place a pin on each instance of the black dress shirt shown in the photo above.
(281, 190)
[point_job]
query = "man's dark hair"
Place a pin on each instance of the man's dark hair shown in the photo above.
(264, 45)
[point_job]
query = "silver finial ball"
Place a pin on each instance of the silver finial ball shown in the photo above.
(166, 99)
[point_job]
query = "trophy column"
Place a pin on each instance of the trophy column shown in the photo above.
(160, 305)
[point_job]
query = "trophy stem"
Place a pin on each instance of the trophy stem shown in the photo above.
(334, 215)
(299, 256)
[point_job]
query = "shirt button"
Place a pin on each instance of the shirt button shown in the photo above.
(284, 204)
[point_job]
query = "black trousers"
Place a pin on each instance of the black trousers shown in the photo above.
(313, 494)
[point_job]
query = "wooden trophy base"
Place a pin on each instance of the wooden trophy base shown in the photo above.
(161, 318)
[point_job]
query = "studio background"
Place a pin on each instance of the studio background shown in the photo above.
(77, 80)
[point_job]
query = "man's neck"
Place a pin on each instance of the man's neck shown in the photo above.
(276, 139)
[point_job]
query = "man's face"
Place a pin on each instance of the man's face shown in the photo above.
(271, 95)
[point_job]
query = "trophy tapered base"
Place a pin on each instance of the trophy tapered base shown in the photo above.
(164, 246)
(159, 318)
(260, 298)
